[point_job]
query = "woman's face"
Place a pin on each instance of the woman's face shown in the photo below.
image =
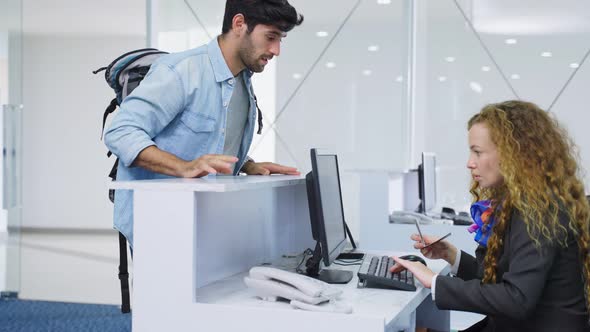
(484, 161)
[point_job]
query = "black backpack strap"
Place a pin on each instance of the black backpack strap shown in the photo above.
(124, 275)
(113, 172)
(123, 265)
(259, 132)
(110, 109)
(113, 175)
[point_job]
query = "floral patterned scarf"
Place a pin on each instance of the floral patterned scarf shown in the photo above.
(481, 212)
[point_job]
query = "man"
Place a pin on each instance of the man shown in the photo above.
(194, 113)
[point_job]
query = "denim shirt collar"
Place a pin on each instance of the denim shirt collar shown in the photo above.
(220, 67)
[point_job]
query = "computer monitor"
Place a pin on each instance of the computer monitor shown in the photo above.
(326, 216)
(427, 182)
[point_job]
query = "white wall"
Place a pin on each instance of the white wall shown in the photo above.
(65, 163)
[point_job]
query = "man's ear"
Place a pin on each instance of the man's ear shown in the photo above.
(239, 24)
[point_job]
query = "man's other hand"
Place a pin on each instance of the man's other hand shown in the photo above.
(266, 168)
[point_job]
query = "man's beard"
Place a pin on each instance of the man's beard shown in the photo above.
(252, 63)
(250, 60)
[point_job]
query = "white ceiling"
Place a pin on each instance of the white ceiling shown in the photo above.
(127, 17)
(531, 17)
(84, 17)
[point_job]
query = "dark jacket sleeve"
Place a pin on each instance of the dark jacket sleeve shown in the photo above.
(517, 294)
(468, 267)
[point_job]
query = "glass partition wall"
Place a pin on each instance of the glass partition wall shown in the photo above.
(479, 52)
(339, 82)
(11, 142)
(380, 81)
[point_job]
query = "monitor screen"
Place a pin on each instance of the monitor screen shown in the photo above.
(428, 181)
(330, 200)
(326, 215)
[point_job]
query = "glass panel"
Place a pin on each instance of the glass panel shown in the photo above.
(339, 83)
(345, 64)
(12, 192)
(570, 108)
(480, 52)
(534, 44)
(11, 123)
(183, 24)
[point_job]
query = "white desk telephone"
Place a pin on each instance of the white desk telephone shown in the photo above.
(304, 292)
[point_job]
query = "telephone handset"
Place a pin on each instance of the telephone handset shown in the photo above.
(304, 292)
(271, 282)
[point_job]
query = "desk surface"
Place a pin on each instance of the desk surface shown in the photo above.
(211, 183)
(385, 304)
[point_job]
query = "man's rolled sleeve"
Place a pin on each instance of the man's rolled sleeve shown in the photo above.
(145, 113)
(137, 143)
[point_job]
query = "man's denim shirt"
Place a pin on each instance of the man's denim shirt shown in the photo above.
(181, 107)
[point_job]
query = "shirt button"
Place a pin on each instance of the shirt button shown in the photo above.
(225, 103)
(231, 81)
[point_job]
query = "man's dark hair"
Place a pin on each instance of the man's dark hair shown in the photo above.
(278, 13)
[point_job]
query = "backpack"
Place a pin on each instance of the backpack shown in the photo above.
(123, 75)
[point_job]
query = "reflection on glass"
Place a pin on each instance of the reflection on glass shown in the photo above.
(350, 96)
(501, 50)
(456, 77)
(533, 44)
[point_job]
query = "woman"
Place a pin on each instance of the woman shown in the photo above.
(532, 266)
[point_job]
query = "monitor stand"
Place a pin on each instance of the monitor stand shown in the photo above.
(335, 276)
(330, 276)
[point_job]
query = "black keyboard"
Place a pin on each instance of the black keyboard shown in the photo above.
(374, 273)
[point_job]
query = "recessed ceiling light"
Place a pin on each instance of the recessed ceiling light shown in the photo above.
(399, 79)
(485, 68)
(574, 65)
(442, 78)
(296, 76)
(383, 2)
(367, 72)
(546, 54)
(511, 41)
(515, 76)
(373, 48)
(450, 59)
(476, 87)
(330, 64)
(321, 34)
